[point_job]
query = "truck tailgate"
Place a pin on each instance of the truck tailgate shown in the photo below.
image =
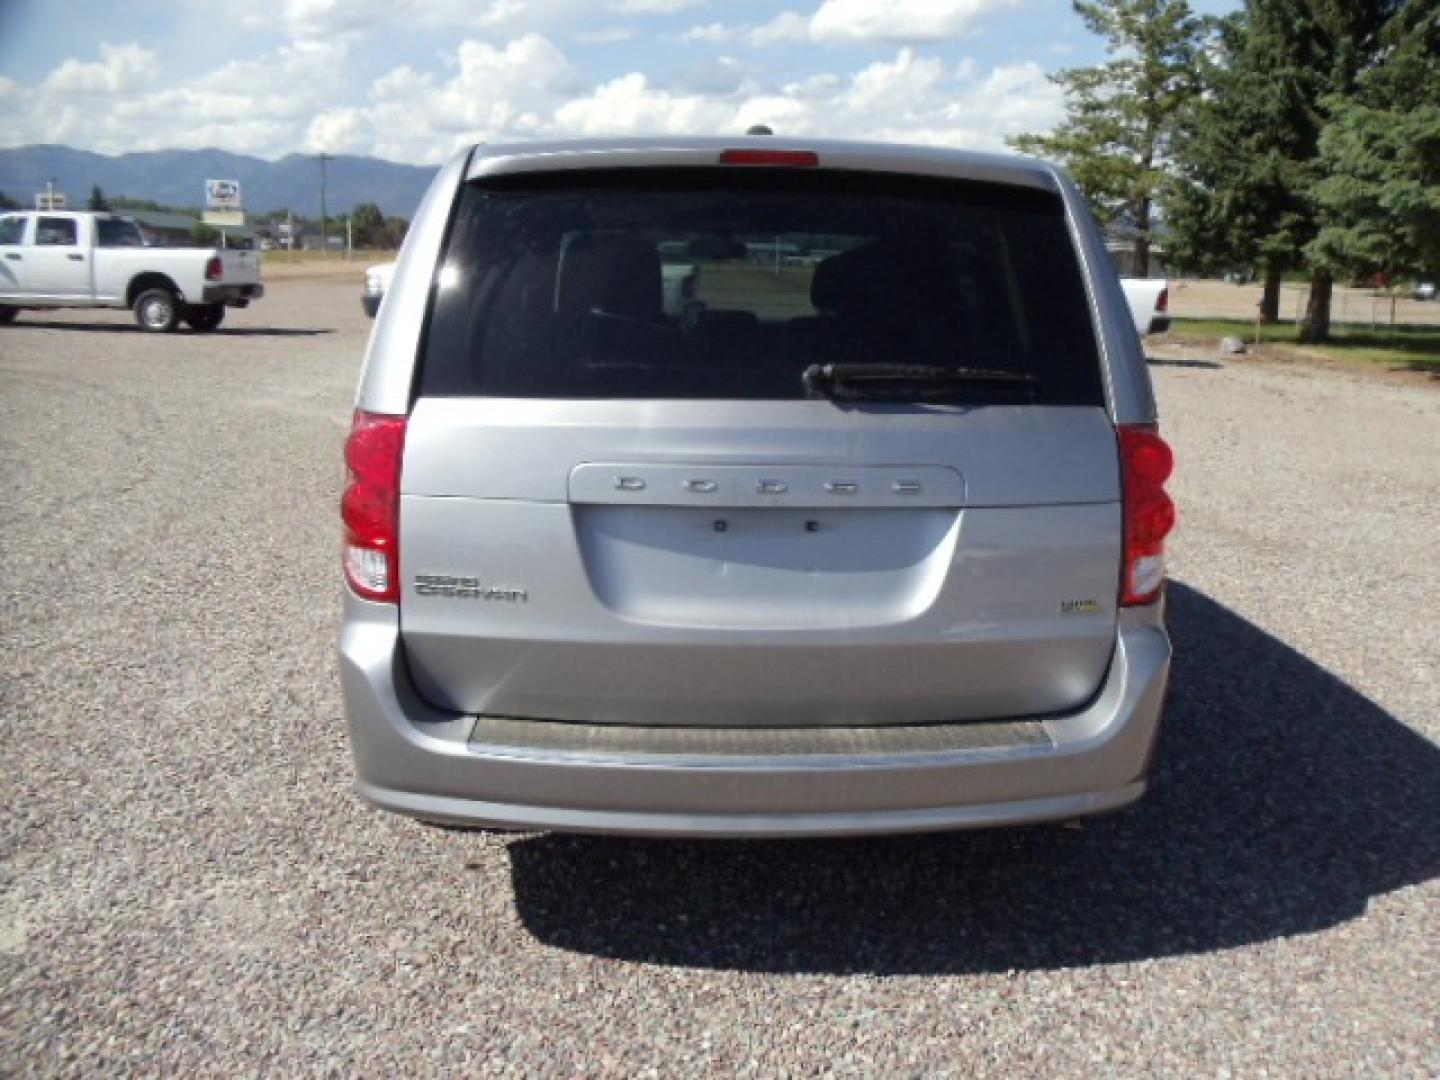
(239, 267)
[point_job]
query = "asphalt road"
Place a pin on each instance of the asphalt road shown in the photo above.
(190, 887)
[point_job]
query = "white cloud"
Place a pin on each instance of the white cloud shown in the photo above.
(899, 20)
(629, 105)
(505, 13)
(787, 26)
(247, 104)
(654, 7)
(341, 131)
(326, 20)
(320, 19)
(912, 98)
(121, 69)
(916, 99)
(711, 33)
(720, 75)
(496, 92)
(299, 97)
(856, 21)
(608, 36)
(119, 103)
(778, 112)
(515, 15)
(910, 87)
(832, 22)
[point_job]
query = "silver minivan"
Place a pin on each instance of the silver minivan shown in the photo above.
(753, 487)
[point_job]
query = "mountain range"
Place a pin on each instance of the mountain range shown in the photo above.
(177, 178)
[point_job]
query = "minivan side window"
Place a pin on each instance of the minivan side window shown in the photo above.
(56, 232)
(12, 230)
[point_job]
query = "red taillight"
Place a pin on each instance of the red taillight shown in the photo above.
(370, 507)
(1146, 462)
(796, 159)
(214, 269)
(1162, 303)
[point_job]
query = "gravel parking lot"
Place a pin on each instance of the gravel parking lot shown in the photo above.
(190, 887)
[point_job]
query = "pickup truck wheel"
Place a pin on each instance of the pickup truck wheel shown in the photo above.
(157, 310)
(7, 315)
(204, 317)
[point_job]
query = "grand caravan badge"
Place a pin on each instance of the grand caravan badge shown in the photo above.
(467, 588)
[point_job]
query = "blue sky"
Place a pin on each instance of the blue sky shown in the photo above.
(412, 79)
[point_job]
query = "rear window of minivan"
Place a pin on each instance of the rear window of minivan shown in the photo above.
(730, 283)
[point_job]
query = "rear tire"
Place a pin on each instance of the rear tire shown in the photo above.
(204, 317)
(157, 310)
(7, 315)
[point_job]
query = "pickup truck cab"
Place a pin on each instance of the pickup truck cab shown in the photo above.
(69, 259)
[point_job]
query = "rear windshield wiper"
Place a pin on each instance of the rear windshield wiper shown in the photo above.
(923, 380)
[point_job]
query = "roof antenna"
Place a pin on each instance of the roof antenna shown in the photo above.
(759, 129)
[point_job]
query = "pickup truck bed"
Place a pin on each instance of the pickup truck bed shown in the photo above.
(1149, 300)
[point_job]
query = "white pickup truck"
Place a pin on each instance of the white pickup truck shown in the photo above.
(68, 259)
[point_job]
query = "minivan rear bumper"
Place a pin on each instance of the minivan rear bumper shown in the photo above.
(416, 760)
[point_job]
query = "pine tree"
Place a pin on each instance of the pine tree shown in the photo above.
(1350, 34)
(1379, 194)
(1121, 115)
(97, 199)
(1249, 155)
(1245, 151)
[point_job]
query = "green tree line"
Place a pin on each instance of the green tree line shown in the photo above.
(369, 226)
(1291, 136)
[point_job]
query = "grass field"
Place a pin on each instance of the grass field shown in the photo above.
(1415, 347)
(292, 265)
(363, 256)
(738, 286)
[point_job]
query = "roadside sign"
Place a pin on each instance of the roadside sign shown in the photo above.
(222, 195)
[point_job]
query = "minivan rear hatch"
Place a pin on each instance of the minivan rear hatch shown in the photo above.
(758, 446)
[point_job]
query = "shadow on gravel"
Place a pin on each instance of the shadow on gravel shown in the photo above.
(1173, 361)
(131, 328)
(1282, 802)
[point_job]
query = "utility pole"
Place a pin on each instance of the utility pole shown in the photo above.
(324, 246)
